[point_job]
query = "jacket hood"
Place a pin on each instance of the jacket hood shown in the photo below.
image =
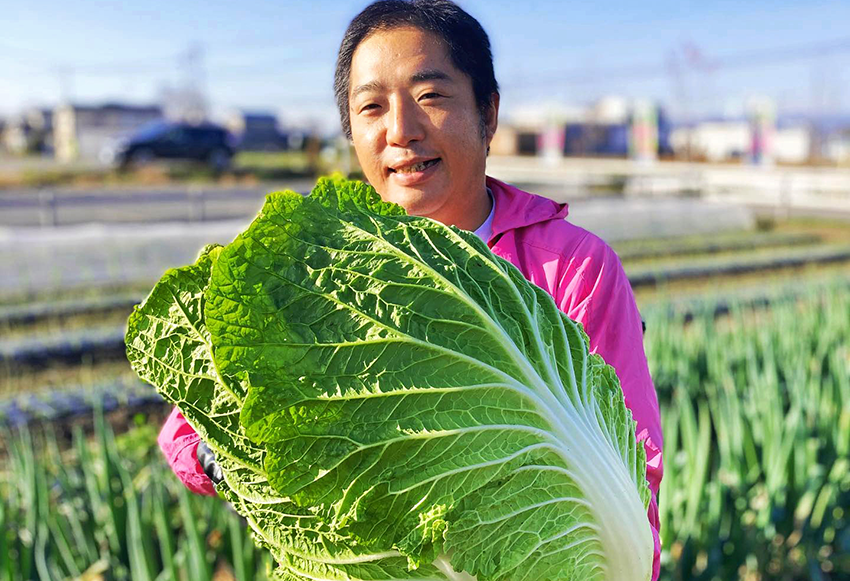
(517, 209)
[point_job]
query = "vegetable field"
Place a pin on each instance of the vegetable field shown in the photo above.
(756, 418)
(753, 381)
(107, 507)
(757, 485)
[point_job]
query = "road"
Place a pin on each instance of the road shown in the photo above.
(35, 260)
(784, 191)
(111, 250)
(67, 206)
(64, 238)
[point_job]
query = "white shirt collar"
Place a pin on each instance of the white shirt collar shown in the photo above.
(486, 229)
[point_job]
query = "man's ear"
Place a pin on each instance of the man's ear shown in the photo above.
(491, 118)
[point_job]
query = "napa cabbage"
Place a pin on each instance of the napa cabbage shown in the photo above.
(390, 400)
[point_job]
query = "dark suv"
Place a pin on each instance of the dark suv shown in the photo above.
(208, 143)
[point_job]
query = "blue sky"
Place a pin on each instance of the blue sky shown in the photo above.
(279, 56)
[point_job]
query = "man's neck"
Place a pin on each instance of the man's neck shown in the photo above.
(473, 215)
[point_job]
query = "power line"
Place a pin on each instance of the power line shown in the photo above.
(639, 71)
(49, 63)
(740, 60)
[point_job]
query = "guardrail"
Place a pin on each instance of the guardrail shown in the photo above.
(816, 188)
(195, 201)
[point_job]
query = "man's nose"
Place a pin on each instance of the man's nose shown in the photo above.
(404, 125)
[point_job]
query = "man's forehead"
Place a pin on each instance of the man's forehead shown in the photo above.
(405, 37)
(405, 51)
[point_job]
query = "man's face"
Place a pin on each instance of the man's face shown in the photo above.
(416, 127)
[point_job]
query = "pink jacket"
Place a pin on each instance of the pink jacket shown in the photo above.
(587, 281)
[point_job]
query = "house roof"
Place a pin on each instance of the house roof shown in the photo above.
(119, 107)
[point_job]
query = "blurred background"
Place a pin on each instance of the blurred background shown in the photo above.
(708, 143)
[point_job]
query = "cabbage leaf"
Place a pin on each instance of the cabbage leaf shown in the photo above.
(390, 400)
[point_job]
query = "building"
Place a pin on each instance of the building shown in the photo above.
(29, 132)
(513, 140)
(256, 131)
(84, 132)
(732, 139)
(530, 130)
(603, 129)
(837, 147)
(596, 139)
(792, 144)
(712, 141)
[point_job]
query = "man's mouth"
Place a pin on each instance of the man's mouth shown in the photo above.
(416, 167)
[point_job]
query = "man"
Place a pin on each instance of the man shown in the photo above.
(419, 100)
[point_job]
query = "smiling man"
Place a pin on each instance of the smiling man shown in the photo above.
(418, 98)
(419, 133)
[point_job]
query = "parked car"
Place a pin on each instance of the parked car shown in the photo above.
(162, 140)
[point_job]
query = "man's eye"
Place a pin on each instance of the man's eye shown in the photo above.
(369, 107)
(429, 96)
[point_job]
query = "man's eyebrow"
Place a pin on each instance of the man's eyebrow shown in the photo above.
(371, 86)
(430, 75)
(420, 77)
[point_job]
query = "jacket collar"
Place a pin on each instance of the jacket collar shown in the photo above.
(517, 209)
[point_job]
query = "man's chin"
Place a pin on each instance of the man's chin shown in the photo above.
(415, 201)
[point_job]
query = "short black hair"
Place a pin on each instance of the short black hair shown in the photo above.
(468, 44)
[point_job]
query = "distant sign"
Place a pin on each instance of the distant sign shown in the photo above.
(643, 136)
(762, 131)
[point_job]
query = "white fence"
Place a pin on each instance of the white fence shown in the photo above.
(788, 188)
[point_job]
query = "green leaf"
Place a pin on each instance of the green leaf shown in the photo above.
(390, 400)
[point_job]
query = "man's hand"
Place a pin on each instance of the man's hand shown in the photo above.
(210, 467)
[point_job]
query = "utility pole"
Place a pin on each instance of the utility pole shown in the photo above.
(680, 88)
(65, 77)
(688, 56)
(191, 94)
(194, 67)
